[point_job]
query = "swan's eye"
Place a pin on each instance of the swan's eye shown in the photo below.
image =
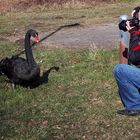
(36, 38)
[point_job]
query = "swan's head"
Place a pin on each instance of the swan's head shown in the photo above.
(34, 34)
(36, 37)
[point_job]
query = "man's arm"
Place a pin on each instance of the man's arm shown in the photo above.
(123, 53)
(123, 47)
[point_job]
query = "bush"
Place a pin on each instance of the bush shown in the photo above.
(8, 5)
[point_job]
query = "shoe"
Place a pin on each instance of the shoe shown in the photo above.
(129, 112)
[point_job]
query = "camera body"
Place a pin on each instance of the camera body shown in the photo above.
(134, 21)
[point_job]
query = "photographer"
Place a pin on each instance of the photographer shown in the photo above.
(128, 76)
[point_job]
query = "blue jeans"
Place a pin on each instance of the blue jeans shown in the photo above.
(128, 81)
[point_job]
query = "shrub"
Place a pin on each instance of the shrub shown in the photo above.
(8, 5)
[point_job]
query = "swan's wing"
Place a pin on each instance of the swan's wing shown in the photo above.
(20, 67)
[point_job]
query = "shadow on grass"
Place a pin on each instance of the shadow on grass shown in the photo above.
(44, 78)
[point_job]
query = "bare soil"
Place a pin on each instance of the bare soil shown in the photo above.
(99, 36)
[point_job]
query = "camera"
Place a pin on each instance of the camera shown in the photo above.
(134, 22)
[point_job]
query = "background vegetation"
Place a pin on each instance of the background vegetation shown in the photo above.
(15, 21)
(14, 5)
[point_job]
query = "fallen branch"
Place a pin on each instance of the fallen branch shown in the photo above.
(58, 29)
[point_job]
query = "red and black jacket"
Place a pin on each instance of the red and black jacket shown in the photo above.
(134, 47)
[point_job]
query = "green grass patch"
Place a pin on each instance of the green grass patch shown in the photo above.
(78, 102)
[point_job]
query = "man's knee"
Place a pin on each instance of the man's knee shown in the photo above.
(118, 69)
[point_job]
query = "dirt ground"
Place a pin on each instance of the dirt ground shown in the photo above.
(100, 36)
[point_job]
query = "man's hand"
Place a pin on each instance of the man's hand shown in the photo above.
(128, 27)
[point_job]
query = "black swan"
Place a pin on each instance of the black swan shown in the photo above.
(24, 72)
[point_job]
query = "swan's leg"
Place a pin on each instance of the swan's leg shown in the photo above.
(13, 85)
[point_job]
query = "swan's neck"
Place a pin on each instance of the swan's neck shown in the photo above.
(28, 51)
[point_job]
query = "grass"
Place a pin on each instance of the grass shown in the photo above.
(78, 102)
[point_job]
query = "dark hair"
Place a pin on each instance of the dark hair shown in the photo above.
(137, 9)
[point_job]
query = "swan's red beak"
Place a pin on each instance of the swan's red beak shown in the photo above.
(36, 38)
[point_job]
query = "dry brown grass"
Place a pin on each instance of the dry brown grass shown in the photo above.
(14, 5)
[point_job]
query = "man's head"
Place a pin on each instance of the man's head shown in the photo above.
(136, 12)
(135, 17)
